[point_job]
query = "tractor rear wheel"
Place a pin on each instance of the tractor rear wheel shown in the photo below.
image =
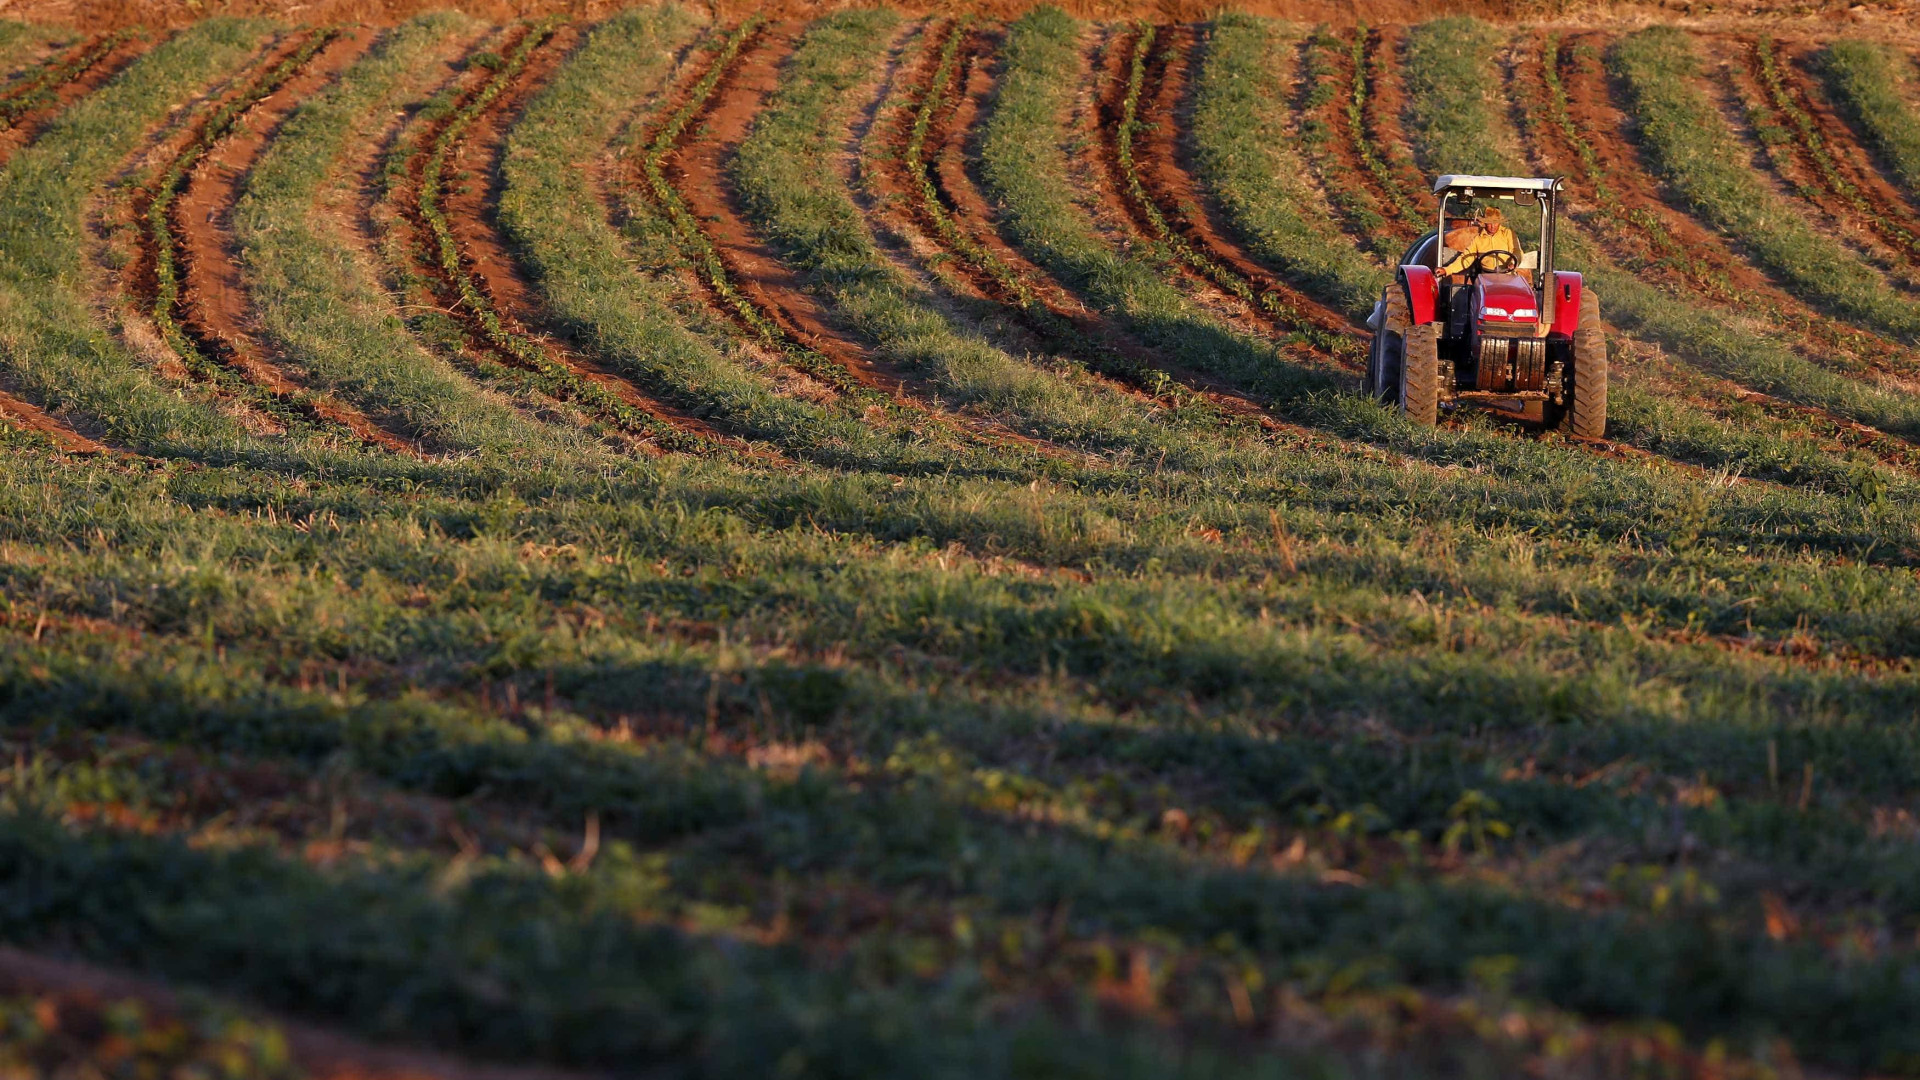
(1586, 409)
(1382, 382)
(1420, 374)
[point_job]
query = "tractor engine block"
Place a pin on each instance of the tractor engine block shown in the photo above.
(1511, 363)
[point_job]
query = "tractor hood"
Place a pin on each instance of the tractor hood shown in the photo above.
(1506, 299)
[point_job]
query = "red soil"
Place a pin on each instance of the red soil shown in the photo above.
(1338, 162)
(1386, 102)
(697, 168)
(1703, 264)
(215, 309)
(1896, 220)
(1066, 327)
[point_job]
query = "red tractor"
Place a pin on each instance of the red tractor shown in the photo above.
(1478, 315)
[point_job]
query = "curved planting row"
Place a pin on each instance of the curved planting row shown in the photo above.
(162, 245)
(1161, 195)
(475, 275)
(1848, 185)
(1698, 157)
(1874, 83)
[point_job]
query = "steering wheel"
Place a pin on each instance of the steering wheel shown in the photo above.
(1494, 262)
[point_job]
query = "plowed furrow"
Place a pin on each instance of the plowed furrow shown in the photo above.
(210, 304)
(1329, 111)
(1827, 152)
(745, 275)
(28, 106)
(473, 274)
(157, 281)
(1052, 310)
(923, 177)
(1170, 198)
(1736, 84)
(1123, 68)
(1381, 140)
(1635, 225)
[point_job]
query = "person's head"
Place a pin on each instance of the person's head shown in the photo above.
(1491, 219)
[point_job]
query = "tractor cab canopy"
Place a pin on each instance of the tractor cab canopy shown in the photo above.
(1526, 205)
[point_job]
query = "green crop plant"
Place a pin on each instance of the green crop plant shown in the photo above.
(694, 241)
(1243, 156)
(550, 376)
(1022, 164)
(1319, 138)
(1452, 752)
(783, 174)
(1058, 332)
(610, 295)
(1874, 84)
(1696, 154)
(1364, 143)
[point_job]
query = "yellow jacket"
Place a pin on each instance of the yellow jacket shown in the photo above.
(1501, 239)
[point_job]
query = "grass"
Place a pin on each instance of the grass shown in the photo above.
(1694, 151)
(1449, 753)
(1873, 83)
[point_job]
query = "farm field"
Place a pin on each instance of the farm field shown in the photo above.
(845, 546)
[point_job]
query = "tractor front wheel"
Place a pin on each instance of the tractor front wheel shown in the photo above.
(1420, 374)
(1389, 341)
(1586, 408)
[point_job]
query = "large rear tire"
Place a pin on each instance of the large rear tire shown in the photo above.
(1586, 410)
(1420, 374)
(1382, 382)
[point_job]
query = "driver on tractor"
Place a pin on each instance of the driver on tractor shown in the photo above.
(1487, 233)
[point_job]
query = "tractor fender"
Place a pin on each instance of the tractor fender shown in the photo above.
(1423, 291)
(1566, 302)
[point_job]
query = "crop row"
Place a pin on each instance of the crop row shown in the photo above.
(1695, 153)
(41, 88)
(157, 220)
(1807, 139)
(552, 376)
(1126, 127)
(1869, 79)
